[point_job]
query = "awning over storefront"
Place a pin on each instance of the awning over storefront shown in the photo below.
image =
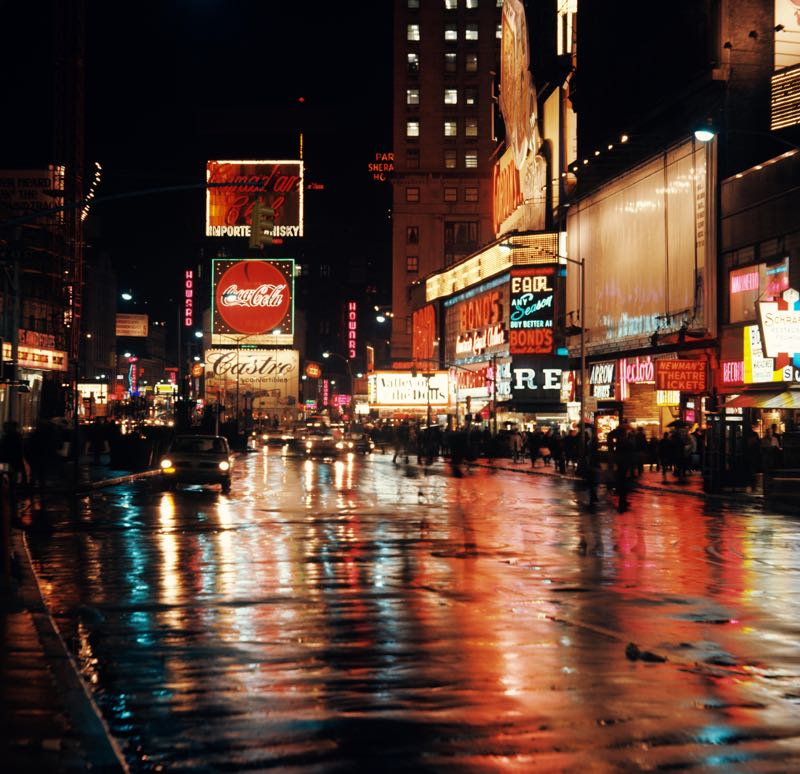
(788, 399)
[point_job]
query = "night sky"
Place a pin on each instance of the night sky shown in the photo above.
(172, 83)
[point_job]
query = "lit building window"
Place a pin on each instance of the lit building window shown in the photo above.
(450, 62)
(413, 63)
(472, 3)
(412, 96)
(451, 5)
(413, 3)
(450, 129)
(412, 263)
(450, 159)
(412, 194)
(451, 32)
(412, 128)
(471, 127)
(471, 63)
(412, 32)
(471, 159)
(472, 32)
(470, 96)
(451, 96)
(470, 194)
(498, 31)
(451, 194)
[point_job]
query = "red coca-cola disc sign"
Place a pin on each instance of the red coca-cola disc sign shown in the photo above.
(252, 297)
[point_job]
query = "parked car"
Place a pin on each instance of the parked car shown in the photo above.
(197, 459)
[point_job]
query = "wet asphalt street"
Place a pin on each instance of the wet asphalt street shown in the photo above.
(360, 616)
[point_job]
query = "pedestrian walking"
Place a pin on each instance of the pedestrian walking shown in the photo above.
(12, 453)
(665, 456)
(640, 442)
(517, 443)
(624, 457)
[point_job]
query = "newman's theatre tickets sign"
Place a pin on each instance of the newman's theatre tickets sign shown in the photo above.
(267, 376)
(252, 301)
(682, 376)
(234, 187)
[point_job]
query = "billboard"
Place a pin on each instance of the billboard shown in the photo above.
(394, 388)
(229, 207)
(132, 325)
(681, 375)
(476, 322)
(532, 312)
(748, 284)
(268, 377)
(26, 191)
(520, 175)
(537, 379)
(252, 301)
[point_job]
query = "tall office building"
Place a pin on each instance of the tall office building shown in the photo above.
(446, 67)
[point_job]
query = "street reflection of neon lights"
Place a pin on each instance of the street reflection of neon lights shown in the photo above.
(171, 581)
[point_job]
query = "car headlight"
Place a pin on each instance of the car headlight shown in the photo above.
(265, 437)
(224, 465)
(349, 444)
(166, 463)
(309, 444)
(340, 445)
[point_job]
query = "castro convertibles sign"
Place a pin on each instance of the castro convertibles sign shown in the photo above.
(229, 206)
(253, 301)
(268, 376)
(532, 310)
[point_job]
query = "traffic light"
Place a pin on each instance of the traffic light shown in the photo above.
(261, 224)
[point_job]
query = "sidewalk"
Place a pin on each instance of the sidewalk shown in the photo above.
(650, 479)
(50, 720)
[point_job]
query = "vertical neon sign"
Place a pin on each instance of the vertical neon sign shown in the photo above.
(188, 298)
(352, 329)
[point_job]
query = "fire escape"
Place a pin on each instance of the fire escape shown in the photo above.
(69, 140)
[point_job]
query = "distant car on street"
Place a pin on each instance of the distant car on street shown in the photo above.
(319, 442)
(197, 459)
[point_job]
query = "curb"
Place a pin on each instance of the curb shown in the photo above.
(90, 486)
(103, 752)
(751, 499)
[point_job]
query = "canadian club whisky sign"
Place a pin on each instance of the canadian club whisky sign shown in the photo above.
(253, 301)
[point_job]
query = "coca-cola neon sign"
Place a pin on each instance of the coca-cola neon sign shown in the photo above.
(252, 297)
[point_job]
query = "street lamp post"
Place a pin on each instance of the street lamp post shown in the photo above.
(581, 313)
